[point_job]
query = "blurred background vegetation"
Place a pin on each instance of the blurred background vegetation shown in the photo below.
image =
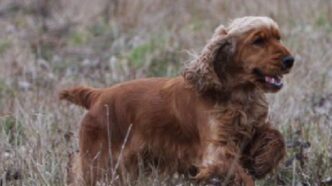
(46, 45)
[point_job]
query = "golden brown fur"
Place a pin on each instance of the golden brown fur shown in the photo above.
(209, 123)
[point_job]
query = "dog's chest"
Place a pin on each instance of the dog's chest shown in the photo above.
(237, 121)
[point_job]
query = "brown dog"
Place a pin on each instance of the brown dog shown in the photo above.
(209, 123)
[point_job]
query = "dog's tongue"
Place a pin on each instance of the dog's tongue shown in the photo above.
(273, 80)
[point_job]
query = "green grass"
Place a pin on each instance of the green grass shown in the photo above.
(4, 45)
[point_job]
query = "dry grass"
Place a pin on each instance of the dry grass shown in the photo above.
(46, 45)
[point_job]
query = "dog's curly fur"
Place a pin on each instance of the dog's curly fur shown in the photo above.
(209, 123)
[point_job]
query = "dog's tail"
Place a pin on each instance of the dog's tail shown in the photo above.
(82, 96)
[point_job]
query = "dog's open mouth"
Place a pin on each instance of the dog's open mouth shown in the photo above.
(270, 81)
(274, 81)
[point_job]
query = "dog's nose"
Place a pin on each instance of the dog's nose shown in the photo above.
(288, 61)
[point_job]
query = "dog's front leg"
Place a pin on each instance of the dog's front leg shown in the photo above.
(264, 153)
(220, 166)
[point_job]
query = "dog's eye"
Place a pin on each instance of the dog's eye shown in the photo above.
(258, 41)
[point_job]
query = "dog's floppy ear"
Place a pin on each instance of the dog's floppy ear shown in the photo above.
(206, 70)
(224, 54)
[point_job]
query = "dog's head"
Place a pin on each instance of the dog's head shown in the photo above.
(247, 52)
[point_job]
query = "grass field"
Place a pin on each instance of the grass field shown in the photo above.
(47, 45)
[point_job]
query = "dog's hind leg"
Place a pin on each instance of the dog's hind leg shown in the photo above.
(94, 155)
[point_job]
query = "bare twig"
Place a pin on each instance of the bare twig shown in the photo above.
(121, 152)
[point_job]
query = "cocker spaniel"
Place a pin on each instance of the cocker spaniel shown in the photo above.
(209, 124)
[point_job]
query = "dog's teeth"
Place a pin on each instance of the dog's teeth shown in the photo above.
(273, 80)
(268, 79)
